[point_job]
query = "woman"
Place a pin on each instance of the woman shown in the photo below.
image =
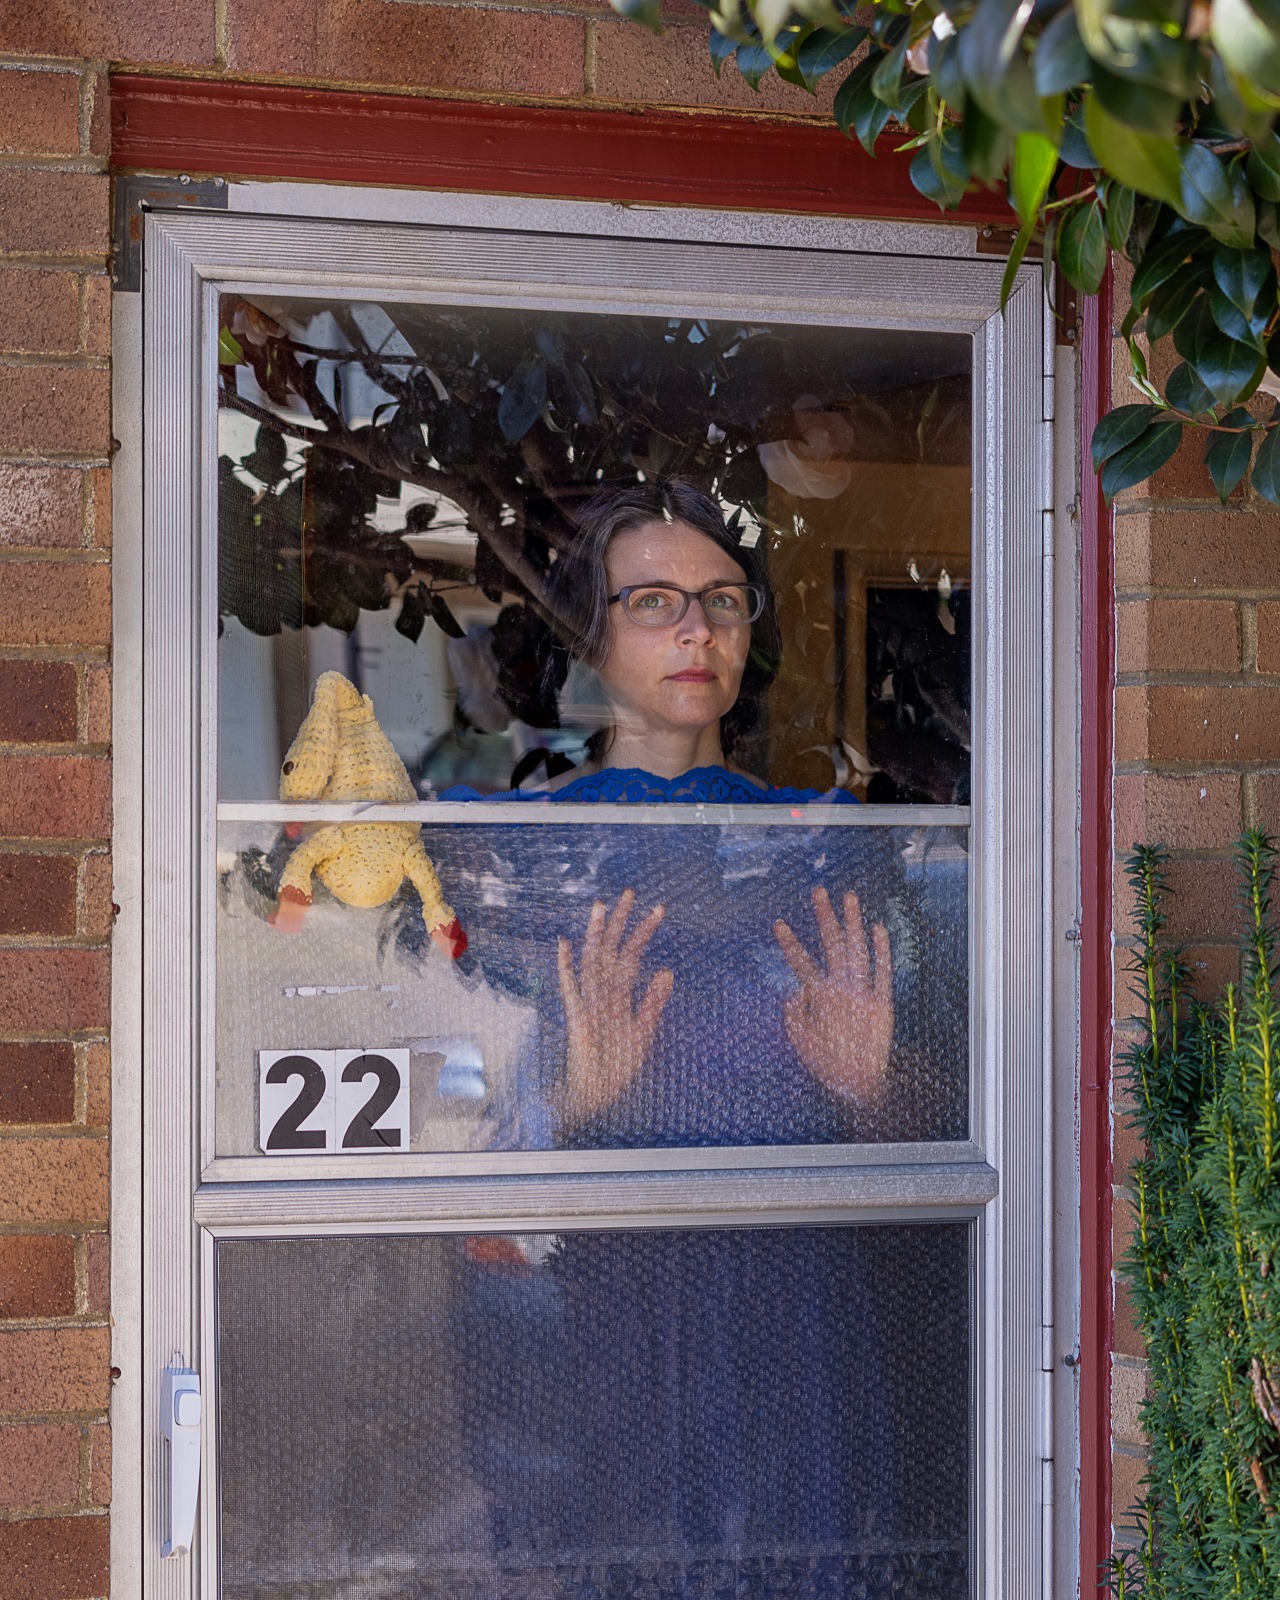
(717, 1392)
(677, 620)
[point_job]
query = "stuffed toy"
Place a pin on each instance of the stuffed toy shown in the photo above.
(341, 753)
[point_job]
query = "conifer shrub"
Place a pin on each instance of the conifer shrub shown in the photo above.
(1205, 1258)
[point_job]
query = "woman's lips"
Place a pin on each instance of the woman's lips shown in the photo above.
(692, 675)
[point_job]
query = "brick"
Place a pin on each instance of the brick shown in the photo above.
(99, 98)
(98, 1258)
(1176, 722)
(39, 1465)
(97, 1085)
(37, 1277)
(674, 68)
(100, 507)
(1178, 636)
(98, 705)
(98, 902)
(273, 36)
(1211, 549)
(55, 1558)
(100, 1464)
(97, 306)
(37, 893)
(162, 32)
(53, 1180)
(1128, 1391)
(1126, 1142)
(38, 702)
(1194, 813)
(449, 47)
(39, 112)
(1267, 791)
(1128, 1338)
(55, 797)
(55, 409)
(39, 311)
(1203, 901)
(54, 989)
(40, 506)
(37, 1083)
(55, 603)
(54, 213)
(1267, 623)
(1128, 1469)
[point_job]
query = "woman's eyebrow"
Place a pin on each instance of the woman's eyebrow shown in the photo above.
(670, 583)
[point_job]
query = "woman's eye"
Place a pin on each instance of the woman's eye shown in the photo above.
(725, 602)
(654, 601)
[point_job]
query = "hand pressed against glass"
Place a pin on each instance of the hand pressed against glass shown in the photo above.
(610, 1032)
(841, 1021)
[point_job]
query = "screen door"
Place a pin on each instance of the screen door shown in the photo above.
(598, 715)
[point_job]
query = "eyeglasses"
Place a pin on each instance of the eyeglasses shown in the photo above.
(662, 605)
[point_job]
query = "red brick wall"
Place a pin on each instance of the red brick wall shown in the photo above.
(1197, 760)
(55, 820)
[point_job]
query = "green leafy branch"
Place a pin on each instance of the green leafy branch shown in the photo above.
(1140, 127)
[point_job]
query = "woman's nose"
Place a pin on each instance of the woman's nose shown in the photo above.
(693, 627)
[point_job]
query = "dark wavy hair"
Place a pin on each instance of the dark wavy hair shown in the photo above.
(578, 591)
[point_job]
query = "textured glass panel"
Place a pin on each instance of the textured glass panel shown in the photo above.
(727, 1415)
(762, 1040)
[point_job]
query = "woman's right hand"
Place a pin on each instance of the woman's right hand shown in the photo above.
(610, 1032)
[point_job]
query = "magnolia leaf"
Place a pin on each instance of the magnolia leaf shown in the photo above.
(1164, 259)
(754, 60)
(858, 109)
(1119, 215)
(1248, 330)
(886, 79)
(1228, 369)
(940, 172)
(1217, 196)
(986, 144)
(1117, 429)
(523, 398)
(1173, 299)
(1075, 148)
(1227, 457)
(230, 350)
(1082, 247)
(1185, 392)
(1137, 105)
(722, 47)
(1263, 165)
(1137, 461)
(824, 50)
(1266, 466)
(1251, 51)
(1061, 61)
(996, 70)
(1243, 275)
(648, 13)
(1144, 161)
(1035, 160)
(1269, 223)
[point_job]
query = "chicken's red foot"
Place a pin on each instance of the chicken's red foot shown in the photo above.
(451, 939)
(291, 909)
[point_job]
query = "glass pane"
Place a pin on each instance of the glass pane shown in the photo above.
(727, 1415)
(398, 485)
(766, 1037)
(492, 555)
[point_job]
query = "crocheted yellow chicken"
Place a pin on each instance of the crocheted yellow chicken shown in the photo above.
(341, 753)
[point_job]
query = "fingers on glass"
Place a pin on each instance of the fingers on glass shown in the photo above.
(884, 962)
(798, 958)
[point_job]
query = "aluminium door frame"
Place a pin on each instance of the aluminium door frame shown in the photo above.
(155, 1042)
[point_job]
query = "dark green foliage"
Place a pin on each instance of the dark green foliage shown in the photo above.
(1136, 126)
(1204, 1258)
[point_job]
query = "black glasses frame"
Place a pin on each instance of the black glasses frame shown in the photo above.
(755, 594)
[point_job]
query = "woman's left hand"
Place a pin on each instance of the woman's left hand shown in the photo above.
(840, 1021)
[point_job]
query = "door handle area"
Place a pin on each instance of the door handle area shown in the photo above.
(181, 1410)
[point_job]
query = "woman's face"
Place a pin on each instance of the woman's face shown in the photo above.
(685, 676)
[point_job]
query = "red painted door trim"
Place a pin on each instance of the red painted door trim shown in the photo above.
(1097, 694)
(219, 126)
